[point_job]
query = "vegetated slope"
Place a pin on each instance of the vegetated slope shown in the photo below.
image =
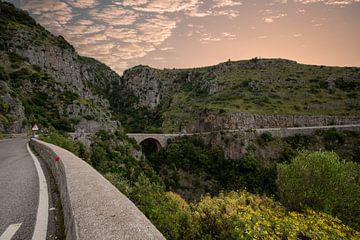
(262, 86)
(43, 80)
(193, 166)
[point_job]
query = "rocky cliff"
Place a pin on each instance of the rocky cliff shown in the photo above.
(242, 120)
(42, 78)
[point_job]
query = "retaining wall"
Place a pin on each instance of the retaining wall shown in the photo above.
(243, 120)
(93, 208)
(286, 132)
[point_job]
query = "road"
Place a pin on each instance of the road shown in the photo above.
(19, 189)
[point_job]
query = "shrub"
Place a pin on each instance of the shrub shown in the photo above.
(319, 180)
(65, 141)
(241, 215)
(167, 211)
(265, 138)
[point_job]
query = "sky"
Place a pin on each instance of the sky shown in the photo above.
(194, 33)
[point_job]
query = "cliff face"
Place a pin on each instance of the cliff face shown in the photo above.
(241, 120)
(146, 85)
(73, 84)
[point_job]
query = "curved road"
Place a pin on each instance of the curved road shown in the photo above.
(19, 189)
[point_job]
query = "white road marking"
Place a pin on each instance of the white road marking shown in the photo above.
(43, 207)
(10, 231)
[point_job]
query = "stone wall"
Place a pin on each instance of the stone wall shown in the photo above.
(93, 208)
(242, 120)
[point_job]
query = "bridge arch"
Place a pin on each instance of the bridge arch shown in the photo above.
(159, 139)
(151, 144)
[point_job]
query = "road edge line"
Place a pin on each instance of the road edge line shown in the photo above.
(10, 231)
(42, 215)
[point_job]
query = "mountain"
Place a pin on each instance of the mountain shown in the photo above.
(43, 80)
(236, 92)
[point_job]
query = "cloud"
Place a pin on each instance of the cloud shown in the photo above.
(228, 13)
(308, 1)
(131, 2)
(228, 35)
(226, 3)
(161, 59)
(131, 50)
(300, 11)
(83, 3)
(51, 14)
(100, 49)
(167, 48)
(81, 30)
(207, 38)
(271, 19)
(163, 6)
(329, 2)
(114, 15)
(296, 35)
(276, 2)
(85, 22)
(194, 29)
(124, 34)
(344, 2)
(195, 13)
(155, 30)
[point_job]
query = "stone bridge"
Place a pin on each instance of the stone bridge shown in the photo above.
(160, 139)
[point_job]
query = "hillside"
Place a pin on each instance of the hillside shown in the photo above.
(256, 86)
(43, 80)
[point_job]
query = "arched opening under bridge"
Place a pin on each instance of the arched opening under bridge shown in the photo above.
(150, 145)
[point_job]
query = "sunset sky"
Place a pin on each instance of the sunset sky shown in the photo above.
(192, 33)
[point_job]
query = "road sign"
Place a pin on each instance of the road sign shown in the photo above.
(35, 127)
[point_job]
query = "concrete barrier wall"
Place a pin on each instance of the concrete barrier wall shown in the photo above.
(93, 208)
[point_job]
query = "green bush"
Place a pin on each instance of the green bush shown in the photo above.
(169, 212)
(64, 141)
(15, 58)
(265, 138)
(320, 181)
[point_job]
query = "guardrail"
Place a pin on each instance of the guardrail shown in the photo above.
(93, 208)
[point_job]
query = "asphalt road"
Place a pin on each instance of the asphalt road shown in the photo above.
(19, 188)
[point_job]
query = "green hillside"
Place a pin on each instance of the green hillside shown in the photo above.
(264, 86)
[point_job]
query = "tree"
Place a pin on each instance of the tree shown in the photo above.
(319, 180)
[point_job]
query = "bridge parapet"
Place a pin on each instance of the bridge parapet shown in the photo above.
(93, 208)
